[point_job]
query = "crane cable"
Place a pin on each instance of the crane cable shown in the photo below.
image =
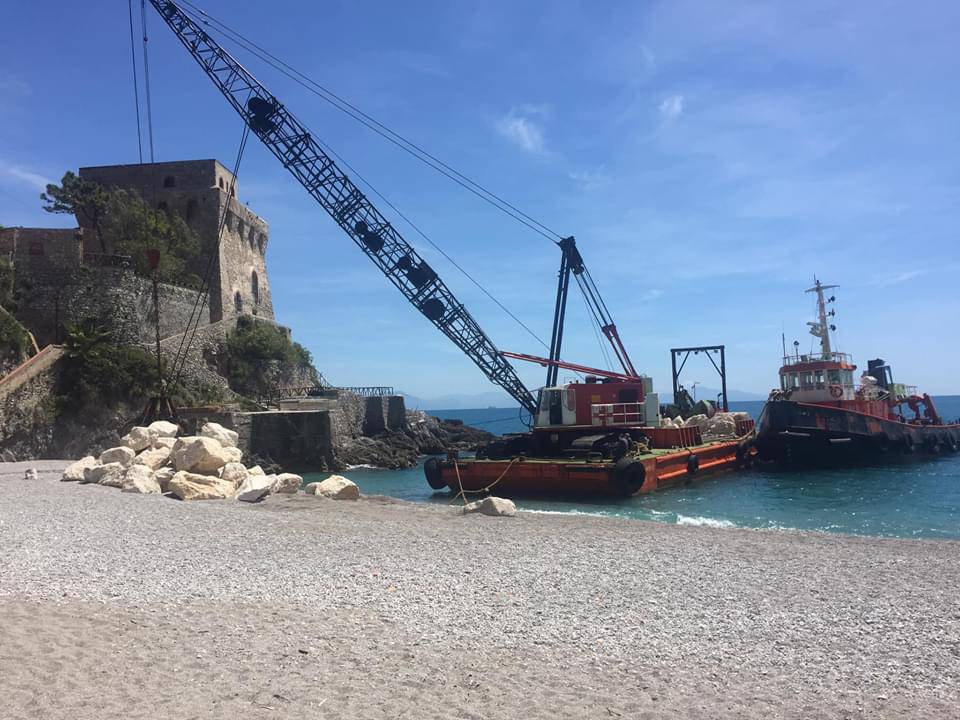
(372, 123)
(136, 88)
(193, 323)
(146, 77)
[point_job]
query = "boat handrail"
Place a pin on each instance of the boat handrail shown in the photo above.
(799, 359)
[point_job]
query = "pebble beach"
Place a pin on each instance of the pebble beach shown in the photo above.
(139, 606)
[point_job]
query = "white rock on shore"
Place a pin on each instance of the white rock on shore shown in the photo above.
(216, 431)
(137, 439)
(162, 429)
(140, 479)
(234, 472)
(200, 455)
(336, 487)
(285, 483)
(495, 506)
(163, 476)
(74, 471)
(254, 488)
(192, 486)
(123, 455)
(154, 458)
(95, 473)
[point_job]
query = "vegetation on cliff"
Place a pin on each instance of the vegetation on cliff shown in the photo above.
(258, 357)
(14, 339)
(125, 225)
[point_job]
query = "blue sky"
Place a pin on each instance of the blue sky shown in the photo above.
(710, 158)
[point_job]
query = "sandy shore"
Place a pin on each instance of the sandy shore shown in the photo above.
(127, 606)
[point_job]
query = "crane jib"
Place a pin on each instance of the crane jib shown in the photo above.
(316, 171)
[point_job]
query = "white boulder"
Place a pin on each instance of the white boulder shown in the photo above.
(254, 487)
(30, 474)
(234, 472)
(495, 506)
(163, 429)
(285, 483)
(123, 455)
(165, 442)
(140, 479)
(153, 458)
(200, 455)
(163, 476)
(191, 486)
(96, 473)
(234, 454)
(256, 470)
(216, 431)
(336, 487)
(74, 471)
(137, 439)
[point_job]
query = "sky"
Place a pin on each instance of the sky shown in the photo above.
(710, 159)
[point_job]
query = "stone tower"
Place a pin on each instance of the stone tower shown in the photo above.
(200, 190)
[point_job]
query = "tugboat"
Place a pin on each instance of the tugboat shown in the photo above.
(819, 416)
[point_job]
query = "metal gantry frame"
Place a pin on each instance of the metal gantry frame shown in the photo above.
(709, 351)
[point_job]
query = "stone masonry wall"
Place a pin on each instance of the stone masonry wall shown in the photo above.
(50, 299)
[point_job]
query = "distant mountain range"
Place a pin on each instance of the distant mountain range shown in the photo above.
(494, 398)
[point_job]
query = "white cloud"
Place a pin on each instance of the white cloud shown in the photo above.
(517, 127)
(896, 278)
(589, 179)
(672, 107)
(34, 180)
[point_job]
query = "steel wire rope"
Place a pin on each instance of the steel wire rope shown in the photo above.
(146, 76)
(136, 88)
(180, 358)
(373, 124)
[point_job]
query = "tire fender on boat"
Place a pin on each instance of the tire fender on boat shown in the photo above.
(431, 468)
(909, 445)
(693, 464)
(628, 476)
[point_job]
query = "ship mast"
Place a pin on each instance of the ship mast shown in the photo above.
(822, 328)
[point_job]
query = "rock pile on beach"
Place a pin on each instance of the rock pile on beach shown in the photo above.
(153, 460)
(720, 425)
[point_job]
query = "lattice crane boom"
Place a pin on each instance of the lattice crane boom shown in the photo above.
(305, 159)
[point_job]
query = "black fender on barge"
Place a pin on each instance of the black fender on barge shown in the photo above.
(793, 433)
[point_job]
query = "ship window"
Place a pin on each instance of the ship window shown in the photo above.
(819, 378)
(795, 379)
(833, 377)
(806, 379)
(847, 377)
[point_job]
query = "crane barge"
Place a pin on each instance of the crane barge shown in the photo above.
(604, 434)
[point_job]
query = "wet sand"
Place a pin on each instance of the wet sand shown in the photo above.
(119, 605)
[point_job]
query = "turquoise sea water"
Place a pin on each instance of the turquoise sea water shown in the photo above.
(910, 499)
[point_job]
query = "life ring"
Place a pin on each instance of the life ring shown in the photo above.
(434, 473)
(693, 464)
(628, 476)
(836, 391)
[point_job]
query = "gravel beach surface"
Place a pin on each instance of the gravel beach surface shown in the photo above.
(121, 605)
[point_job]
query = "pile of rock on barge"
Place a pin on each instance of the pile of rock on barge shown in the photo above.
(598, 438)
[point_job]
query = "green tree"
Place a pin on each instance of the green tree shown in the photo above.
(259, 357)
(84, 199)
(132, 228)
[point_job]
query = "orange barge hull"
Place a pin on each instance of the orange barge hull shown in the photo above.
(560, 476)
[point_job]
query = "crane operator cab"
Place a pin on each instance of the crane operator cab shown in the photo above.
(597, 401)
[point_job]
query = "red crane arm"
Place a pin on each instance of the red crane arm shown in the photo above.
(547, 362)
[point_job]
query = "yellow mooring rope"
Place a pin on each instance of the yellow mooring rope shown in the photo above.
(463, 493)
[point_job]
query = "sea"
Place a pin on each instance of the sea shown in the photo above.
(916, 498)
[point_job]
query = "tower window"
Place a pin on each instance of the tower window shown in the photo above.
(255, 287)
(169, 182)
(233, 192)
(238, 301)
(221, 183)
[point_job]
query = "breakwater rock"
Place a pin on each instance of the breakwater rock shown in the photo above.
(423, 435)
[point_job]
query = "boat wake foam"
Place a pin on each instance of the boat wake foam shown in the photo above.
(704, 521)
